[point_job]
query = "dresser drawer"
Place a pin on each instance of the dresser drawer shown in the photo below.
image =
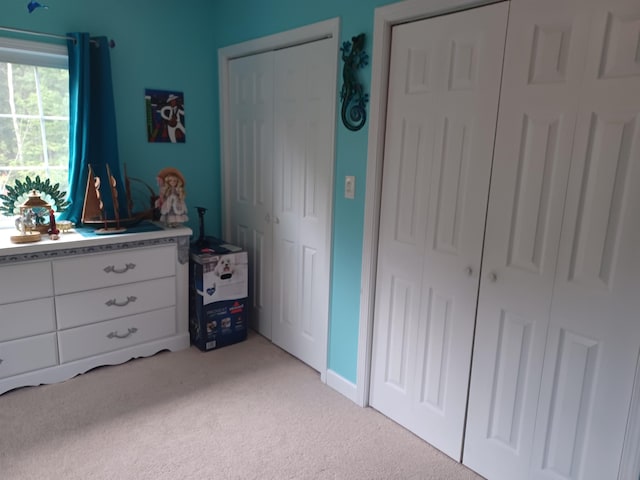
(27, 354)
(82, 308)
(22, 319)
(111, 335)
(105, 270)
(25, 282)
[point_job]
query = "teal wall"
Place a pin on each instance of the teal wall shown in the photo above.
(157, 46)
(172, 45)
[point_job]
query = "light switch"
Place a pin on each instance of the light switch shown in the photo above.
(350, 187)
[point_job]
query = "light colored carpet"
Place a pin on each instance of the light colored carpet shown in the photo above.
(247, 411)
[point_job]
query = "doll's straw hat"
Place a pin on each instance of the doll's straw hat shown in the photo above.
(171, 171)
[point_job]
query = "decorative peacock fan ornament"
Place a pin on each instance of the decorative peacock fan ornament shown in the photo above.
(19, 193)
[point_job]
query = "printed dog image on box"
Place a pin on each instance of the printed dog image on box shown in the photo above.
(224, 268)
(224, 277)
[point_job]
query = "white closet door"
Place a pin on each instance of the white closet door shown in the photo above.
(594, 335)
(303, 185)
(544, 64)
(537, 406)
(250, 196)
(442, 106)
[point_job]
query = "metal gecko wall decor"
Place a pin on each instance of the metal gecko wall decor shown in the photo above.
(354, 100)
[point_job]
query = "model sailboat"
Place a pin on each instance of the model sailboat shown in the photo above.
(93, 210)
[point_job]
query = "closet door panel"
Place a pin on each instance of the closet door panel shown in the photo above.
(544, 61)
(594, 335)
(445, 76)
(251, 118)
(302, 186)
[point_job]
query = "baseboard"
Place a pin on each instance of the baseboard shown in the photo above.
(343, 386)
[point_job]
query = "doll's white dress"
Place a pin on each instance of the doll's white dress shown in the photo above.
(173, 209)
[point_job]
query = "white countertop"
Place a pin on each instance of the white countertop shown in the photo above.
(72, 239)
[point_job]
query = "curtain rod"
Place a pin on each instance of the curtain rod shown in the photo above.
(50, 35)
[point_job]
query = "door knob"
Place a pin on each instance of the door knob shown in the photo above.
(493, 276)
(277, 220)
(468, 271)
(267, 218)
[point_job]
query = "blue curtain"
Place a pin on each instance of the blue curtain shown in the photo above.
(92, 124)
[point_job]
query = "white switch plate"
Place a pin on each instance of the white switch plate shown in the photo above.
(350, 187)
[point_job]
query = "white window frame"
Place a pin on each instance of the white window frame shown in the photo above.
(33, 53)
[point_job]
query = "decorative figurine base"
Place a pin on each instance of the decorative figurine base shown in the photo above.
(26, 237)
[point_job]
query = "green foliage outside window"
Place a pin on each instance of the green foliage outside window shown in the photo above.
(34, 131)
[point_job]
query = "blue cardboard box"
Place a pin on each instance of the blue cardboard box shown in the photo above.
(219, 324)
(218, 289)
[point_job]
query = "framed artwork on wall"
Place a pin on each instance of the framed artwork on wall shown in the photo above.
(165, 116)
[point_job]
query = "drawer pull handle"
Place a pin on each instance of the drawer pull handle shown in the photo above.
(127, 267)
(116, 335)
(115, 303)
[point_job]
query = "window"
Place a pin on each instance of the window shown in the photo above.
(34, 113)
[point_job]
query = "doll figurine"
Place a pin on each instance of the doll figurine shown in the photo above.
(173, 209)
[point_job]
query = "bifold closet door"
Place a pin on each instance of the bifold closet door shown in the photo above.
(594, 334)
(282, 107)
(558, 336)
(250, 194)
(442, 106)
(303, 185)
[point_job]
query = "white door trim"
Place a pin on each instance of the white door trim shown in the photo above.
(309, 33)
(384, 19)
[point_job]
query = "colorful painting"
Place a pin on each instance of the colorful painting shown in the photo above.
(165, 116)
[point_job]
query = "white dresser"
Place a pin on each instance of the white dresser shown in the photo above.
(70, 305)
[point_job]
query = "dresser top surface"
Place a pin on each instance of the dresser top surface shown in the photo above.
(73, 239)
